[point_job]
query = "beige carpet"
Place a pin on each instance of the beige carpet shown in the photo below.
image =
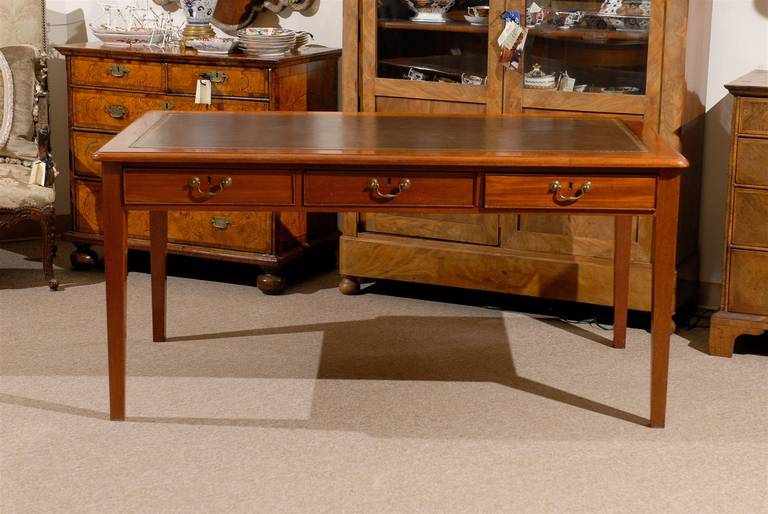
(316, 402)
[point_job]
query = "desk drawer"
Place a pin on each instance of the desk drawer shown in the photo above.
(213, 187)
(225, 81)
(328, 188)
(753, 116)
(117, 74)
(597, 192)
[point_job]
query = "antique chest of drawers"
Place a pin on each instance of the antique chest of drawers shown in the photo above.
(744, 304)
(109, 88)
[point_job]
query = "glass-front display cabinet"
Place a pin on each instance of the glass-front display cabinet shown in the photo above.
(423, 51)
(618, 58)
(597, 47)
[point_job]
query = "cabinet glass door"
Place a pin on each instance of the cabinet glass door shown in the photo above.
(587, 46)
(433, 41)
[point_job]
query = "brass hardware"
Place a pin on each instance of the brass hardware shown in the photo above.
(117, 70)
(373, 186)
(117, 111)
(168, 106)
(220, 222)
(216, 77)
(194, 183)
(556, 187)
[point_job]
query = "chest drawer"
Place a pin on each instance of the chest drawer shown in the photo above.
(562, 191)
(115, 111)
(117, 74)
(752, 161)
(225, 81)
(748, 275)
(210, 187)
(249, 231)
(84, 144)
(328, 188)
(753, 116)
(750, 218)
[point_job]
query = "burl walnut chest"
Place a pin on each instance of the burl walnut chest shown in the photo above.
(744, 304)
(109, 88)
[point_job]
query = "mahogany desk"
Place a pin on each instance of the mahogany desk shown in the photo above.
(374, 162)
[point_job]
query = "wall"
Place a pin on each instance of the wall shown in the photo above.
(737, 44)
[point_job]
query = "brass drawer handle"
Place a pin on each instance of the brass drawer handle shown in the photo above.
(194, 183)
(373, 186)
(117, 111)
(216, 77)
(220, 222)
(117, 71)
(556, 187)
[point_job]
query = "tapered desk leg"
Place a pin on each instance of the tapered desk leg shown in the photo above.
(116, 271)
(621, 257)
(158, 233)
(664, 248)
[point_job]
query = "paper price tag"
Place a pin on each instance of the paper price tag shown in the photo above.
(37, 175)
(509, 35)
(203, 92)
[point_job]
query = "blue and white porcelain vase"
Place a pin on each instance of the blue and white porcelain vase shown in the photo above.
(199, 14)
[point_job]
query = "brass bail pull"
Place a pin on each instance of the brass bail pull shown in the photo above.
(374, 188)
(557, 188)
(194, 183)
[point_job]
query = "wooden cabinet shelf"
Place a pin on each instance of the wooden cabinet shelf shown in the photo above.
(449, 26)
(596, 36)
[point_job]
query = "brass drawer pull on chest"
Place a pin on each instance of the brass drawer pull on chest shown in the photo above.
(220, 222)
(373, 186)
(117, 111)
(556, 187)
(216, 77)
(194, 183)
(117, 71)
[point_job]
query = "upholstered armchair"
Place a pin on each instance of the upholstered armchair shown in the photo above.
(24, 132)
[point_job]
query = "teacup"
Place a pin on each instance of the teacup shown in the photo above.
(479, 11)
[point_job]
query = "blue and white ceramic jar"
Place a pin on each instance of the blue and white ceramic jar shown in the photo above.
(198, 12)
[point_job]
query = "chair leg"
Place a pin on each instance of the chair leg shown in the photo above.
(48, 224)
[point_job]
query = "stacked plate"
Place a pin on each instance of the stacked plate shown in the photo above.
(302, 38)
(266, 41)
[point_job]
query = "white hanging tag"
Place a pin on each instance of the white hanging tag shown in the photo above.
(509, 35)
(37, 174)
(203, 92)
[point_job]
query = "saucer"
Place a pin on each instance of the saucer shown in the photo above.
(476, 20)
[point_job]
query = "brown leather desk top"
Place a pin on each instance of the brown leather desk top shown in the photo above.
(362, 138)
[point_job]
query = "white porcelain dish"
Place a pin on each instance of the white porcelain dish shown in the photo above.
(213, 46)
(476, 20)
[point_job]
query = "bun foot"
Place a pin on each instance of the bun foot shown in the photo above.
(270, 284)
(349, 286)
(83, 258)
(53, 284)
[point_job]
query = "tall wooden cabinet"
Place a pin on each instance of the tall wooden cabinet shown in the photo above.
(394, 64)
(111, 87)
(744, 304)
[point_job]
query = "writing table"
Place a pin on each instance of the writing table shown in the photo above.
(388, 162)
